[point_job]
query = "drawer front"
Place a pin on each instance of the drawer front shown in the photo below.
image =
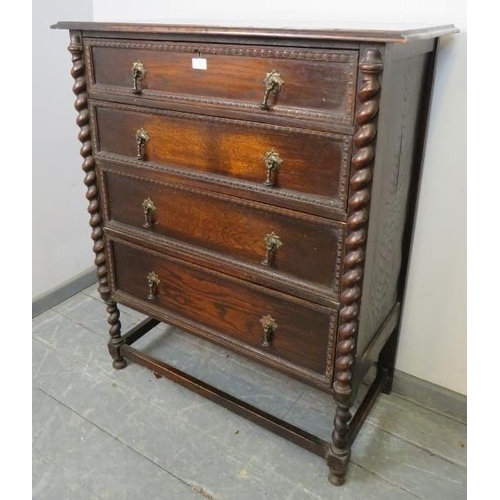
(227, 309)
(317, 84)
(312, 163)
(307, 246)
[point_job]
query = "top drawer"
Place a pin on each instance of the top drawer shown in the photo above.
(302, 83)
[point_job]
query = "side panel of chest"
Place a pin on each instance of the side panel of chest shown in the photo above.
(395, 184)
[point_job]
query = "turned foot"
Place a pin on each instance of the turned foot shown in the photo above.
(337, 461)
(119, 364)
(336, 480)
(340, 449)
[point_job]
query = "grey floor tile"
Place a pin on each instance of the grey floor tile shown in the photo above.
(176, 441)
(161, 436)
(91, 291)
(44, 409)
(104, 465)
(302, 475)
(39, 320)
(246, 483)
(280, 457)
(38, 411)
(441, 435)
(91, 313)
(72, 340)
(415, 469)
(166, 395)
(201, 462)
(163, 343)
(45, 362)
(260, 391)
(314, 413)
(360, 485)
(242, 380)
(50, 482)
(72, 344)
(309, 473)
(226, 427)
(381, 452)
(96, 398)
(199, 413)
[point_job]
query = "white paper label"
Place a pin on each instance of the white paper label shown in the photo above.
(199, 63)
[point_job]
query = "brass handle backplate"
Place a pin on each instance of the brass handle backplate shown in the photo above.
(272, 242)
(153, 284)
(269, 325)
(149, 210)
(141, 139)
(273, 83)
(273, 162)
(138, 72)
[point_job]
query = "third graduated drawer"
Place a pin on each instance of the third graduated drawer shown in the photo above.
(288, 250)
(287, 166)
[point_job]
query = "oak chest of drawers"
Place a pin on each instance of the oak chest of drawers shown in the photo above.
(257, 188)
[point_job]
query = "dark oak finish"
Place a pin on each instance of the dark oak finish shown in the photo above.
(354, 257)
(230, 308)
(88, 166)
(317, 84)
(261, 275)
(230, 227)
(232, 148)
(265, 203)
(398, 126)
(384, 34)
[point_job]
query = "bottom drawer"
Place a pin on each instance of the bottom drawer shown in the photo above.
(283, 331)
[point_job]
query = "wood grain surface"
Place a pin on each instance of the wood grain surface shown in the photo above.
(395, 175)
(352, 31)
(229, 226)
(319, 81)
(314, 163)
(228, 306)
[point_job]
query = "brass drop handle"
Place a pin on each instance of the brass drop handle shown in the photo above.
(138, 72)
(273, 162)
(153, 284)
(272, 242)
(273, 83)
(269, 325)
(141, 139)
(149, 209)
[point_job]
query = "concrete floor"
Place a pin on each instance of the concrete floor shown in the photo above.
(105, 434)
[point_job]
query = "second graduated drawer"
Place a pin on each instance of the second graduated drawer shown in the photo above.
(282, 163)
(269, 239)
